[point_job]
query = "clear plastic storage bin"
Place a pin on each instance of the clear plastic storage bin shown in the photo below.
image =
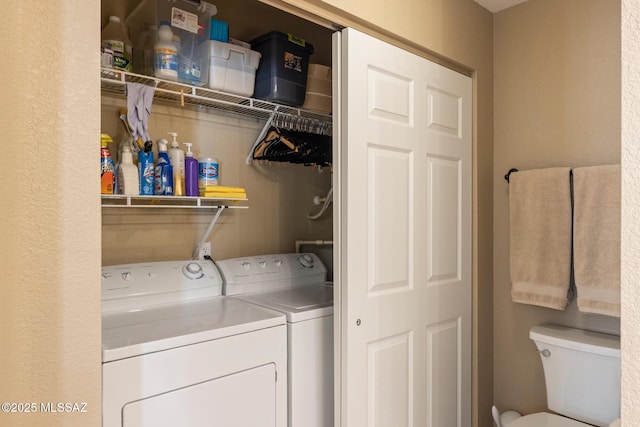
(190, 22)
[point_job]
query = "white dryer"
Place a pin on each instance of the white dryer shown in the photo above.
(175, 351)
(294, 284)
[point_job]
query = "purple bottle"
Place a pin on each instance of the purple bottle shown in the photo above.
(190, 173)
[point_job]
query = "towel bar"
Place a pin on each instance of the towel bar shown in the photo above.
(512, 170)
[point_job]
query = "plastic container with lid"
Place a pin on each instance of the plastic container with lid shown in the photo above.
(114, 38)
(232, 67)
(282, 74)
(189, 21)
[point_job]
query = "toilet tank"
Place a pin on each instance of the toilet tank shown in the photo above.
(581, 372)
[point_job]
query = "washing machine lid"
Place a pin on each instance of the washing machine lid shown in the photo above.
(544, 419)
(137, 332)
(298, 304)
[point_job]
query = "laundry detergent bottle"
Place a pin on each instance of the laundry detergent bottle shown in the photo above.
(176, 157)
(164, 171)
(190, 173)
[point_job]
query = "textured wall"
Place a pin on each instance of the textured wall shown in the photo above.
(557, 103)
(49, 210)
(630, 212)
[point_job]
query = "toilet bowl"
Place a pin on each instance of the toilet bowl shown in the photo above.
(582, 379)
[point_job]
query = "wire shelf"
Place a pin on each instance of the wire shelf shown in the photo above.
(291, 118)
(179, 202)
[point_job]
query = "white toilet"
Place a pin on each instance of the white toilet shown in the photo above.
(582, 376)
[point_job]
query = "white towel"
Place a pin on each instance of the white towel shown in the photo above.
(540, 236)
(596, 238)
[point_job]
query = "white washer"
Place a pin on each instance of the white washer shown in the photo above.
(295, 285)
(177, 353)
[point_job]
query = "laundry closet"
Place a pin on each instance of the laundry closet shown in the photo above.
(280, 195)
(401, 223)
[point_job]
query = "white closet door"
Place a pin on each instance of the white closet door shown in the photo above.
(403, 224)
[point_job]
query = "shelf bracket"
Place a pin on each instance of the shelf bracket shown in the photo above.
(206, 233)
(261, 135)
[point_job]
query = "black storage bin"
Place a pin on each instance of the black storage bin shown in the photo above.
(282, 74)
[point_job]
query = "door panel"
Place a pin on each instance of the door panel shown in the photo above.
(402, 164)
(444, 385)
(390, 375)
(390, 219)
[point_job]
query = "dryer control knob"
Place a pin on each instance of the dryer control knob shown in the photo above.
(306, 260)
(278, 263)
(193, 270)
(246, 265)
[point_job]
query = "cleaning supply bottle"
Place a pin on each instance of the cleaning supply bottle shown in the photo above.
(145, 169)
(107, 178)
(164, 171)
(176, 156)
(166, 53)
(115, 38)
(127, 174)
(190, 173)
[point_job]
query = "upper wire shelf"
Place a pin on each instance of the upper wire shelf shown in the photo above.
(186, 95)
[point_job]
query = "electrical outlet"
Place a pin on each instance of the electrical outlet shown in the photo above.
(205, 250)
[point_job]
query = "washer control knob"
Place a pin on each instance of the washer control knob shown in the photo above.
(193, 270)
(263, 264)
(306, 260)
(246, 265)
(126, 276)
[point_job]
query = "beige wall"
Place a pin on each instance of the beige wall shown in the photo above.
(557, 103)
(49, 214)
(630, 208)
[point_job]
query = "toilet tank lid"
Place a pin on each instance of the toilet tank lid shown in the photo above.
(577, 339)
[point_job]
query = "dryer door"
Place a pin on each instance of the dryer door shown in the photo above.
(245, 399)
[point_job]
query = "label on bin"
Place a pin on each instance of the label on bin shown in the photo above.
(185, 20)
(292, 62)
(297, 40)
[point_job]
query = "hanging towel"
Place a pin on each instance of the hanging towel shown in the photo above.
(596, 238)
(540, 236)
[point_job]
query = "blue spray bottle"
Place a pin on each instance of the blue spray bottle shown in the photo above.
(164, 171)
(145, 169)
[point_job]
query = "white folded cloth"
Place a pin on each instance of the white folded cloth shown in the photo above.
(540, 236)
(596, 238)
